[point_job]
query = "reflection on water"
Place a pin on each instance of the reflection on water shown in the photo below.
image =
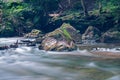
(29, 63)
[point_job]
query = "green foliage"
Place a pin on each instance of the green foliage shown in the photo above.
(7, 32)
(23, 16)
(110, 5)
(77, 6)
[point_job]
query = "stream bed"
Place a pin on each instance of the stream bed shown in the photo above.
(30, 63)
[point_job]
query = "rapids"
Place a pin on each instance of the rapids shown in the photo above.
(30, 63)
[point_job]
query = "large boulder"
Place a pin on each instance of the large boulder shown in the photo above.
(48, 43)
(91, 33)
(33, 34)
(52, 44)
(66, 32)
(111, 37)
(61, 39)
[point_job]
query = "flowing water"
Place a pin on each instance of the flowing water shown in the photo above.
(29, 63)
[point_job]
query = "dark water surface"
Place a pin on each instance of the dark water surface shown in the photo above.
(29, 63)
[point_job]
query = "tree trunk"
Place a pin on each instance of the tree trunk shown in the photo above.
(84, 8)
(69, 2)
(0, 14)
(100, 7)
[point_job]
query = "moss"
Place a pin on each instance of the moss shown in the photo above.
(35, 31)
(66, 34)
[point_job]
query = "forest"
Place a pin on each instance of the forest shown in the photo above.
(21, 16)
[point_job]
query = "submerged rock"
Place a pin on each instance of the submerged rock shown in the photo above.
(95, 74)
(63, 38)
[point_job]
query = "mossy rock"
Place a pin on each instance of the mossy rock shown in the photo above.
(66, 32)
(61, 39)
(111, 37)
(33, 34)
(35, 31)
(91, 33)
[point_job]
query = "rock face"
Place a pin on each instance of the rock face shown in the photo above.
(91, 33)
(61, 39)
(48, 43)
(33, 34)
(111, 37)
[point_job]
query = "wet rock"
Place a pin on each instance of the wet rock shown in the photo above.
(4, 47)
(92, 33)
(52, 44)
(40, 38)
(14, 46)
(33, 34)
(61, 39)
(66, 32)
(65, 46)
(111, 37)
(48, 43)
(31, 44)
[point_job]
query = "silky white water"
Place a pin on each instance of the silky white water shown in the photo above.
(30, 63)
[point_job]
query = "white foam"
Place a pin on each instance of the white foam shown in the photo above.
(23, 49)
(91, 64)
(7, 41)
(107, 49)
(115, 78)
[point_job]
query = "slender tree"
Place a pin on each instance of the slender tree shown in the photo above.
(1, 12)
(84, 7)
(100, 6)
(69, 2)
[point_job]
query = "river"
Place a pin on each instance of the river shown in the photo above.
(30, 63)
